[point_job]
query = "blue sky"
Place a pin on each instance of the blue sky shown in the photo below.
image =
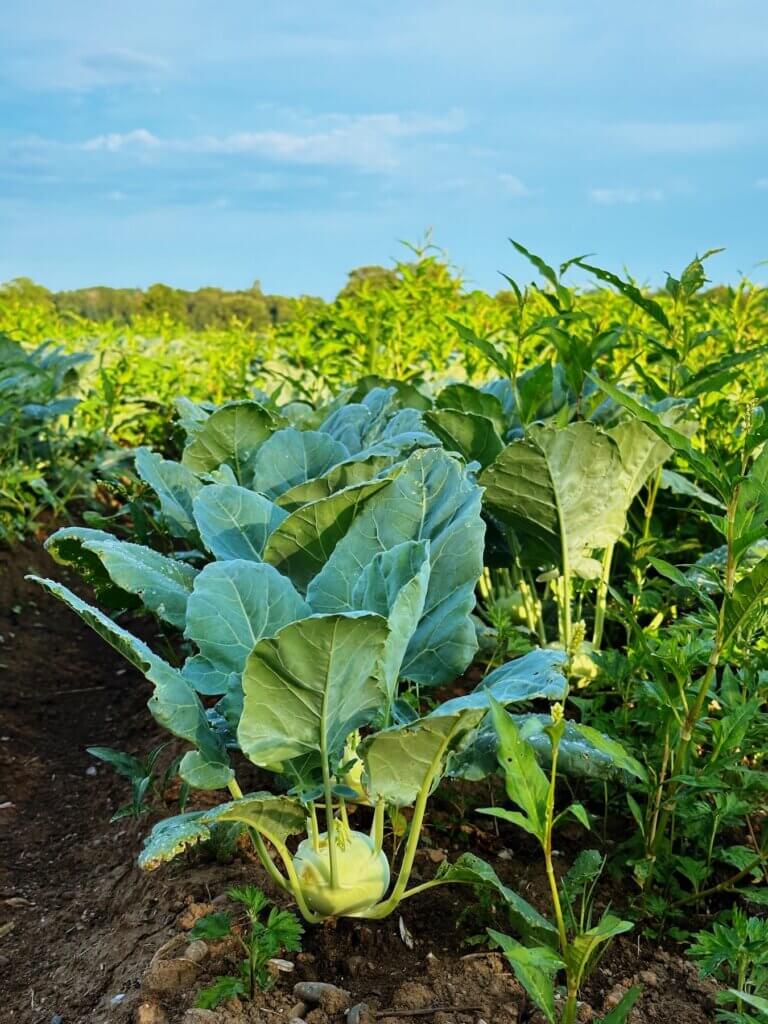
(217, 143)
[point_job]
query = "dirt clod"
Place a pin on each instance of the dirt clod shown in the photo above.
(170, 975)
(150, 1013)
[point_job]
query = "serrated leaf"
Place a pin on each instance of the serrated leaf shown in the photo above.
(535, 969)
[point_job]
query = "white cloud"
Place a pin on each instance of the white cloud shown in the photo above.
(368, 142)
(513, 186)
(113, 142)
(625, 196)
(761, 183)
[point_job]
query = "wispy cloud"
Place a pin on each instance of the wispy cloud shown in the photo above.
(365, 142)
(761, 183)
(625, 196)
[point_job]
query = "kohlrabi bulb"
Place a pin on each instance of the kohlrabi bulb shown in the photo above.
(363, 875)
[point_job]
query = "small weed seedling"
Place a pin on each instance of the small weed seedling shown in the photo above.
(737, 955)
(281, 931)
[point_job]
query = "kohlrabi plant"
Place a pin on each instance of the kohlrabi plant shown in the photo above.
(320, 573)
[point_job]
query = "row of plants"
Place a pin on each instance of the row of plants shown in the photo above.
(586, 531)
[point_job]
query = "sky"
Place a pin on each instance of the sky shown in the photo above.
(220, 143)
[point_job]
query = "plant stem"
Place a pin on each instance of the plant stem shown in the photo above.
(330, 822)
(602, 594)
(263, 854)
(377, 828)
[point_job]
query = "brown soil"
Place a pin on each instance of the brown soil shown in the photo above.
(80, 925)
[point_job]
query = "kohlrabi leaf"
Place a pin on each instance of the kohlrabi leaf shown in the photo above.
(310, 686)
(175, 486)
(276, 817)
(642, 454)
(467, 398)
(473, 436)
(234, 605)
(404, 760)
(581, 755)
(537, 675)
(174, 704)
(66, 546)
(304, 541)
(431, 498)
(557, 491)
(703, 465)
(161, 584)
(235, 522)
(394, 585)
(232, 435)
(291, 457)
(171, 837)
(354, 471)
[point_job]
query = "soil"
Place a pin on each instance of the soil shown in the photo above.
(86, 937)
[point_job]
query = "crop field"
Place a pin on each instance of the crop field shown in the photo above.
(399, 658)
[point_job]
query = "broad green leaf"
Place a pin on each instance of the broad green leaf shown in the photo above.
(292, 457)
(191, 415)
(304, 541)
(402, 760)
(309, 687)
(537, 675)
(163, 585)
(473, 436)
(67, 547)
(613, 750)
(525, 782)
(642, 454)
(471, 870)
(347, 474)
(235, 522)
(394, 585)
(431, 498)
(174, 704)
(703, 465)
(577, 757)
(231, 435)
(276, 817)
(467, 398)
(233, 606)
(175, 486)
(535, 968)
(171, 837)
(559, 489)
